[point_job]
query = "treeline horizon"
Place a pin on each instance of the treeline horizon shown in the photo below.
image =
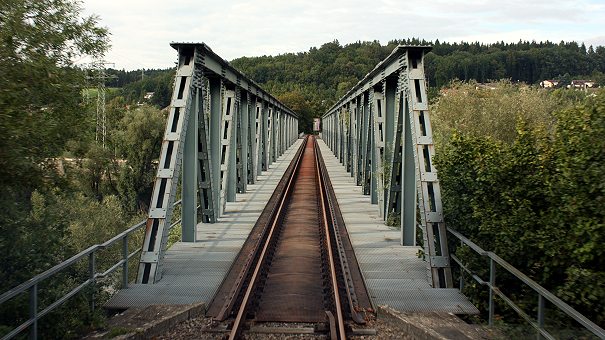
(313, 80)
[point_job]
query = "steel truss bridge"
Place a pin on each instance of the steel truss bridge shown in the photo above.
(226, 145)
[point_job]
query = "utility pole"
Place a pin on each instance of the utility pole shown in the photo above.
(100, 76)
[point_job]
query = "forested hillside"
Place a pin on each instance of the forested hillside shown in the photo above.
(310, 82)
(320, 76)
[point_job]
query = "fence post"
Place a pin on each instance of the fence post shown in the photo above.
(33, 311)
(125, 259)
(540, 315)
(492, 286)
(91, 272)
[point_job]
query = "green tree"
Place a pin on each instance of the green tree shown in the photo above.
(41, 109)
(138, 144)
(298, 102)
(580, 151)
(40, 102)
(163, 91)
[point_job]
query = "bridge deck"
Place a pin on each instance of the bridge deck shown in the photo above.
(194, 271)
(394, 274)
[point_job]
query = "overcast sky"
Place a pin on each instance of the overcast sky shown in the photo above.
(141, 30)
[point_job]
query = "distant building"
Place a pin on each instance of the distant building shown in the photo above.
(549, 83)
(581, 84)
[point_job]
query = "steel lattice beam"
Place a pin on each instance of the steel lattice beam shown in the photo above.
(388, 147)
(214, 130)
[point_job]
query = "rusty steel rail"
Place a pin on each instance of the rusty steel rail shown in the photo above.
(255, 251)
(332, 228)
(241, 314)
(287, 232)
(333, 276)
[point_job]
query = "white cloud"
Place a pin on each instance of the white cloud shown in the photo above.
(142, 30)
(595, 41)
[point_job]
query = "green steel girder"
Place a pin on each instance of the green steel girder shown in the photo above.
(393, 161)
(213, 136)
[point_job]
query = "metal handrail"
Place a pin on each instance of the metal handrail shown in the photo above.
(543, 294)
(31, 285)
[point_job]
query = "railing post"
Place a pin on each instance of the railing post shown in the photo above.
(540, 315)
(461, 283)
(125, 259)
(33, 311)
(492, 285)
(91, 273)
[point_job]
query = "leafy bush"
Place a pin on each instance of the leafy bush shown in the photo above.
(537, 200)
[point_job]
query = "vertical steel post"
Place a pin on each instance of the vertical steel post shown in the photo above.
(360, 132)
(333, 132)
(346, 118)
(169, 169)
(492, 285)
(33, 311)
(390, 125)
(461, 282)
(226, 130)
(373, 168)
(278, 127)
(91, 275)
(270, 138)
(246, 142)
(275, 136)
(125, 264)
(541, 311)
(366, 147)
(205, 175)
(189, 183)
(410, 195)
(338, 132)
(391, 148)
(372, 147)
(258, 148)
(379, 123)
(341, 137)
(232, 164)
(266, 140)
(280, 132)
(215, 140)
(353, 137)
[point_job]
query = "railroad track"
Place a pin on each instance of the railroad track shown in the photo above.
(297, 265)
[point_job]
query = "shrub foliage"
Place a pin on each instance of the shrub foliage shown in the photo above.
(537, 199)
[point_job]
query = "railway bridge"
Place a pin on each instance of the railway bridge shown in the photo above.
(276, 226)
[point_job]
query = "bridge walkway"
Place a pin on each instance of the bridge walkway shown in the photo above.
(194, 271)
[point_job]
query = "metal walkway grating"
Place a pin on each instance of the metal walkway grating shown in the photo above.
(394, 274)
